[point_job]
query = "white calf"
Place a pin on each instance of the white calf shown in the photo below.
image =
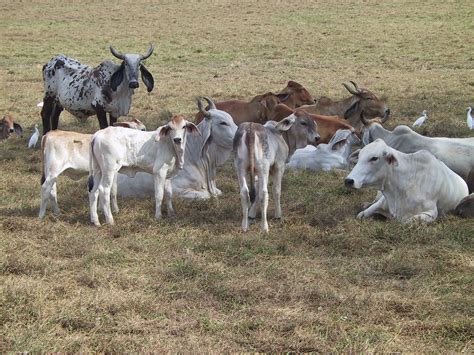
(115, 149)
(69, 153)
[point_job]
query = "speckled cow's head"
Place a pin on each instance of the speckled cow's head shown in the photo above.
(128, 70)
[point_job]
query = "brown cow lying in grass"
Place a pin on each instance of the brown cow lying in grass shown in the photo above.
(362, 100)
(261, 107)
(327, 125)
(8, 127)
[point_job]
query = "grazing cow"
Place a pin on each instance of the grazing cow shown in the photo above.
(413, 186)
(203, 154)
(263, 151)
(297, 95)
(8, 126)
(69, 153)
(115, 149)
(362, 100)
(327, 125)
(257, 110)
(85, 91)
(334, 155)
(456, 153)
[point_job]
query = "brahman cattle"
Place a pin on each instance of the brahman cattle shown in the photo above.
(297, 95)
(456, 153)
(8, 127)
(327, 125)
(325, 157)
(202, 156)
(116, 149)
(362, 100)
(69, 153)
(257, 110)
(263, 151)
(85, 91)
(414, 187)
(260, 108)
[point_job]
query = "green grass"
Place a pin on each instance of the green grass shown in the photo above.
(320, 280)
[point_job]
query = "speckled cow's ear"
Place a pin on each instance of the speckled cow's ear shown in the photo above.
(117, 78)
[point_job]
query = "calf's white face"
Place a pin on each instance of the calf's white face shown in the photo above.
(374, 165)
(176, 131)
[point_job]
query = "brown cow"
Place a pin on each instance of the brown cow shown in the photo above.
(327, 125)
(362, 100)
(7, 127)
(257, 110)
(261, 107)
(297, 95)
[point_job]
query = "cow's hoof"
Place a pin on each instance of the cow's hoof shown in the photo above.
(360, 215)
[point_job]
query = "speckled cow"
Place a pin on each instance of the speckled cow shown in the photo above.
(85, 91)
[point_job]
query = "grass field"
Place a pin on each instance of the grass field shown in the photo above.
(320, 280)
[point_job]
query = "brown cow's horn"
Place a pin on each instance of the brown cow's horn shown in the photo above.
(356, 86)
(150, 51)
(202, 109)
(211, 104)
(117, 53)
(351, 90)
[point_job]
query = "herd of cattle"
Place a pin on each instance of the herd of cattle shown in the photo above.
(418, 177)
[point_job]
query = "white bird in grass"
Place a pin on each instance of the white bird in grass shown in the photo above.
(34, 138)
(420, 120)
(470, 122)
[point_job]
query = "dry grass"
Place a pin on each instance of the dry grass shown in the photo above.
(320, 280)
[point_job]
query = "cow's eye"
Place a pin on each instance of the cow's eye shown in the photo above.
(224, 123)
(374, 159)
(304, 123)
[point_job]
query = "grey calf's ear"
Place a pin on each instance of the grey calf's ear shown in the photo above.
(192, 128)
(165, 130)
(117, 77)
(285, 124)
(18, 129)
(147, 78)
(351, 110)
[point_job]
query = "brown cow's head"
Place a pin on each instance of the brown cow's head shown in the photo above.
(365, 101)
(268, 101)
(7, 127)
(295, 95)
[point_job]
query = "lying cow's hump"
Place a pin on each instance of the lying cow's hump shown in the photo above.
(402, 129)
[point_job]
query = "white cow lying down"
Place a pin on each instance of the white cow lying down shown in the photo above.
(413, 186)
(334, 155)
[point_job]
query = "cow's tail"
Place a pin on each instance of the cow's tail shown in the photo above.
(93, 166)
(250, 143)
(43, 160)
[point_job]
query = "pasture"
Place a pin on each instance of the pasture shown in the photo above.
(320, 280)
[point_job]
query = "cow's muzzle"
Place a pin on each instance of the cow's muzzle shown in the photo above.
(349, 182)
(11, 130)
(133, 84)
(177, 140)
(317, 137)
